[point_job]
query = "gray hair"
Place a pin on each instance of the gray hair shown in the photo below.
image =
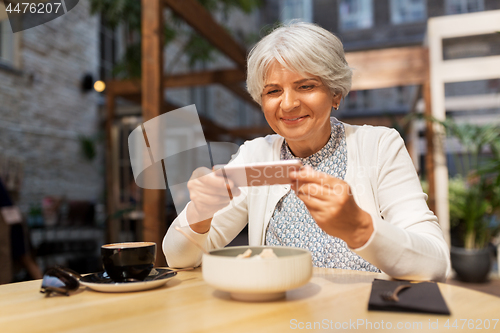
(304, 48)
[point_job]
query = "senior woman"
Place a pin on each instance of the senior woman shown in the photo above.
(357, 203)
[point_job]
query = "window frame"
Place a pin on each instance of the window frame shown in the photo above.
(394, 5)
(307, 10)
(463, 4)
(358, 16)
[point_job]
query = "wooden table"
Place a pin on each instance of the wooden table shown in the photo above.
(334, 299)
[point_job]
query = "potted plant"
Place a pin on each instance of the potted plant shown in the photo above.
(474, 198)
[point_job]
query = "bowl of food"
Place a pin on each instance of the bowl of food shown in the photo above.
(257, 273)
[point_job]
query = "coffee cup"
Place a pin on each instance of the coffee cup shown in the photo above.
(128, 261)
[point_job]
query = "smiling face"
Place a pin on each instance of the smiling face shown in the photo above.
(298, 108)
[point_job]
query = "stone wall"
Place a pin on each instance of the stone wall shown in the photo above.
(43, 110)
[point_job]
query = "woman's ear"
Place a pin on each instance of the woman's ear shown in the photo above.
(337, 97)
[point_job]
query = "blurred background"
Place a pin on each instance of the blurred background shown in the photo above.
(70, 94)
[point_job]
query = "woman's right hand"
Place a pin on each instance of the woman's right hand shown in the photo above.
(209, 192)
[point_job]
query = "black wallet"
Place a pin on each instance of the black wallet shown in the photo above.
(421, 297)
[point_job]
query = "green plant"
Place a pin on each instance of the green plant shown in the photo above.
(468, 210)
(195, 47)
(474, 139)
(87, 147)
(456, 197)
(475, 200)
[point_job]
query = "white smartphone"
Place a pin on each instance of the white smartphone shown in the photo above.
(260, 174)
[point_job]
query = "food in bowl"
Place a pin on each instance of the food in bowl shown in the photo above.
(265, 254)
(257, 280)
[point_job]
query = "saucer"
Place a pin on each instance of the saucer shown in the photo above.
(101, 281)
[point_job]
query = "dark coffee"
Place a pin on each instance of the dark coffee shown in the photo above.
(125, 261)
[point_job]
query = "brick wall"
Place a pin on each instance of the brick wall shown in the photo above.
(43, 111)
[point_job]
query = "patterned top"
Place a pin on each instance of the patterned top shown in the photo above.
(293, 225)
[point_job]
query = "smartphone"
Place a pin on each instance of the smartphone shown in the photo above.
(259, 174)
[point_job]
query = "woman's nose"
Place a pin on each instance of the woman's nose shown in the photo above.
(289, 101)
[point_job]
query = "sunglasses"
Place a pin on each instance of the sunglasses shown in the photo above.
(59, 280)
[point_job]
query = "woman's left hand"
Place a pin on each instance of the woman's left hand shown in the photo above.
(332, 205)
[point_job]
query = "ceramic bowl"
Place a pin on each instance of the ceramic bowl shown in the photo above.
(257, 279)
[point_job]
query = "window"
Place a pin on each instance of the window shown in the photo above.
(108, 52)
(356, 14)
(6, 43)
(296, 9)
(408, 11)
(463, 6)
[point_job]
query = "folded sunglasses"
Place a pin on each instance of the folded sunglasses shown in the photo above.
(60, 281)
